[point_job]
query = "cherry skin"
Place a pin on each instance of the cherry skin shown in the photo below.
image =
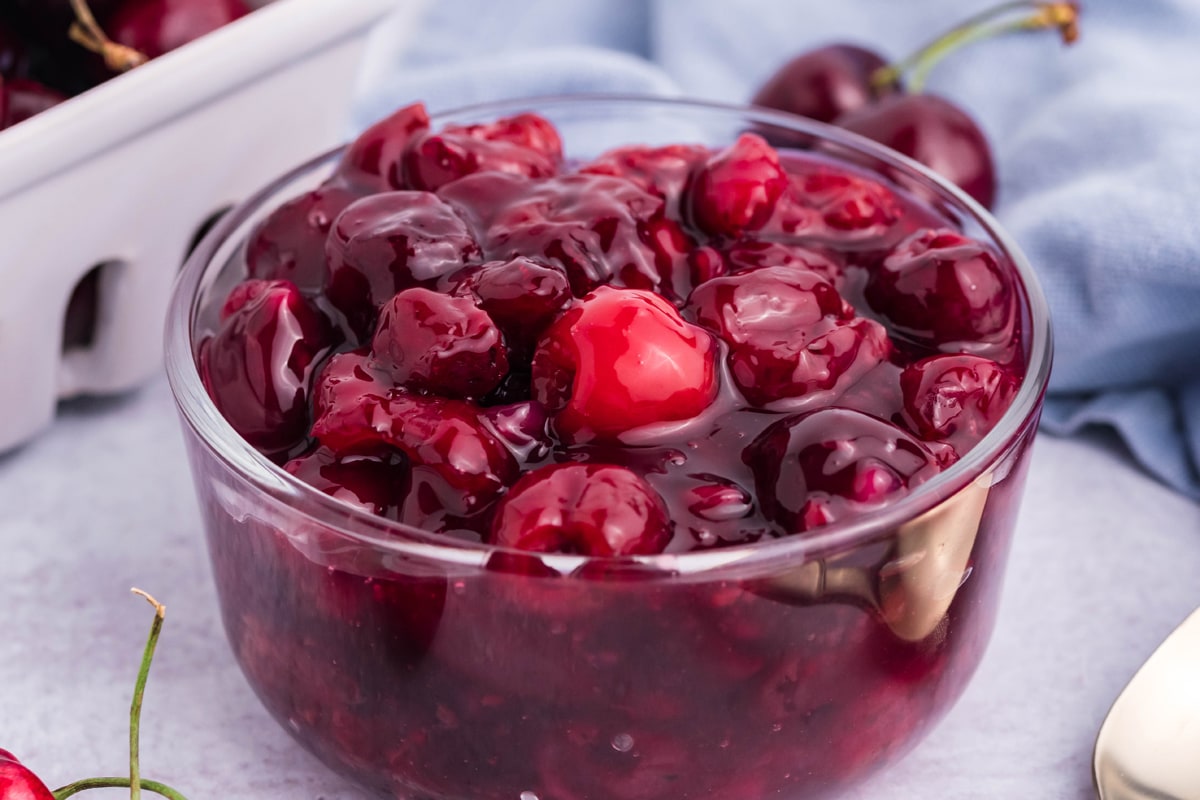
(259, 365)
(522, 295)
(17, 781)
(825, 83)
(591, 366)
(434, 342)
(374, 157)
(387, 242)
(589, 509)
(832, 463)
(790, 334)
(735, 190)
(939, 286)
(935, 132)
(956, 398)
(373, 482)
(289, 244)
(155, 27)
(526, 145)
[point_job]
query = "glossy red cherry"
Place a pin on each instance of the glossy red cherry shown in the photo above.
(593, 367)
(831, 202)
(459, 467)
(375, 482)
(525, 145)
(17, 781)
(590, 225)
(433, 342)
(589, 509)
(940, 286)
(663, 171)
(289, 244)
(825, 83)
(155, 27)
(956, 398)
(258, 366)
(935, 132)
(790, 334)
(373, 158)
(387, 242)
(750, 255)
(735, 191)
(819, 467)
(523, 296)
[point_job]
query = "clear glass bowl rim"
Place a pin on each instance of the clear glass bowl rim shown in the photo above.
(389, 537)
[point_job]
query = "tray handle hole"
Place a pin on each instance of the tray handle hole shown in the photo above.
(82, 317)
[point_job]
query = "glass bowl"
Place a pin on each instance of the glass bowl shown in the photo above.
(422, 666)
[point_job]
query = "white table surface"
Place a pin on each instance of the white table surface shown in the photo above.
(1103, 567)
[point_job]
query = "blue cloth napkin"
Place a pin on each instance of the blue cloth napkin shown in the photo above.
(1098, 150)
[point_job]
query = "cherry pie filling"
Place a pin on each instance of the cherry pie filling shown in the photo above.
(660, 350)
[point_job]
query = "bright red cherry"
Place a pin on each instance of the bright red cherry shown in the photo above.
(17, 781)
(258, 367)
(825, 83)
(621, 359)
(372, 160)
(790, 333)
(735, 190)
(525, 145)
(589, 509)
(940, 286)
(935, 132)
(816, 468)
(155, 27)
(437, 343)
(956, 398)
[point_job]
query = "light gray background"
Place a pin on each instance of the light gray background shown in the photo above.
(1105, 564)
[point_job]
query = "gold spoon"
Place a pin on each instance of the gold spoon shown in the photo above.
(1149, 745)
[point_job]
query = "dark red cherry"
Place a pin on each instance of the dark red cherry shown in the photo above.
(663, 171)
(825, 83)
(735, 190)
(459, 467)
(590, 225)
(593, 367)
(17, 781)
(155, 27)
(790, 334)
(826, 465)
(375, 482)
(589, 509)
(935, 132)
(956, 398)
(259, 365)
(433, 342)
(387, 242)
(755, 254)
(372, 160)
(521, 295)
(939, 286)
(289, 244)
(22, 98)
(525, 145)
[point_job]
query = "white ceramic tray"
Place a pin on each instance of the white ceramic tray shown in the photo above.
(121, 178)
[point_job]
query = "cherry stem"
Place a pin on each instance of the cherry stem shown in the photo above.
(110, 783)
(1036, 15)
(139, 689)
(87, 32)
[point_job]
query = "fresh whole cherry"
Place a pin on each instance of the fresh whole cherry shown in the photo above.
(852, 88)
(155, 27)
(825, 83)
(590, 509)
(17, 781)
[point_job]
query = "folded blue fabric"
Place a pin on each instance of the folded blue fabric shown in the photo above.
(1097, 149)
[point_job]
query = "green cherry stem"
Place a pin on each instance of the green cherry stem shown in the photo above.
(110, 783)
(1036, 15)
(139, 689)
